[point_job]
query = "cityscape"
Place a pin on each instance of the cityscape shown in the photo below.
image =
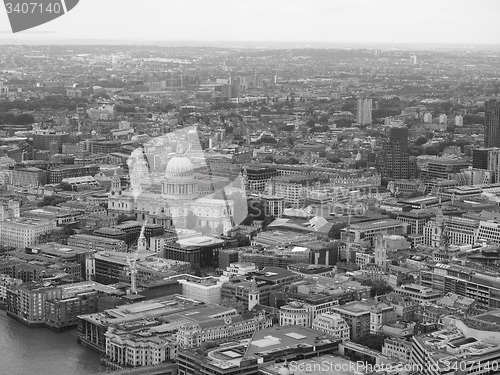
(221, 209)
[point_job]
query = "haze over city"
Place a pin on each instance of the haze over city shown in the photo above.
(294, 22)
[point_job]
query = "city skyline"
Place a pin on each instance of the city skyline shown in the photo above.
(249, 187)
(282, 22)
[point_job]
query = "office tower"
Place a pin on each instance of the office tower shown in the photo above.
(428, 118)
(480, 158)
(46, 140)
(364, 111)
(395, 160)
(413, 60)
(459, 120)
(489, 159)
(492, 124)
(443, 119)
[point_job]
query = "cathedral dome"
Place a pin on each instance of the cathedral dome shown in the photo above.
(180, 181)
(179, 166)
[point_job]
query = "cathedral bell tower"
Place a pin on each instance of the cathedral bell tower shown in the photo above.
(116, 184)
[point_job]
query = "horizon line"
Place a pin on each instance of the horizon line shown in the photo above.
(210, 43)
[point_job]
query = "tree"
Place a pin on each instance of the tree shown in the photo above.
(378, 287)
(420, 141)
(432, 150)
(122, 217)
(207, 345)
(66, 186)
(242, 240)
(343, 123)
(310, 123)
(334, 159)
(24, 119)
(219, 229)
(67, 230)
(323, 119)
(374, 342)
(50, 201)
(268, 220)
(232, 302)
(191, 220)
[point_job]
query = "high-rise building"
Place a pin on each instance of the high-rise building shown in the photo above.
(364, 111)
(459, 120)
(488, 159)
(492, 124)
(395, 161)
(428, 118)
(413, 60)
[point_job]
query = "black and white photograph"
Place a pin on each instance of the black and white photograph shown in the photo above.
(249, 187)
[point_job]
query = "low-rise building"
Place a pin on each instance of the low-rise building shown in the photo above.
(204, 289)
(37, 304)
(5, 283)
(395, 347)
(333, 325)
(24, 232)
(96, 243)
(450, 352)
(365, 232)
(193, 334)
(418, 292)
(175, 309)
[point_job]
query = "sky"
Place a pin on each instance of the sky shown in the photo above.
(466, 22)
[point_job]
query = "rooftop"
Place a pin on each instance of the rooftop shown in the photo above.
(376, 224)
(450, 346)
(281, 338)
(143, 310)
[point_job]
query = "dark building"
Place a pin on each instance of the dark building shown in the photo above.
(57, 174)
(153, 230)
(492, 124)
(480, 158)
(226, 257)
(132, 231)
(113, 233)
(487, 158)
(395, 161)
(201, 252)
(256, 178)
(104, 147)
(50, 141)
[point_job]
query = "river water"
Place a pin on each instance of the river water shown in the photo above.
(39, 351)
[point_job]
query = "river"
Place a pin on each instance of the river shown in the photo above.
(39, 351)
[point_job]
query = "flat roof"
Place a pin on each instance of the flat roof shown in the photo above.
(376, 224)
(279, 338)
(199, 241)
